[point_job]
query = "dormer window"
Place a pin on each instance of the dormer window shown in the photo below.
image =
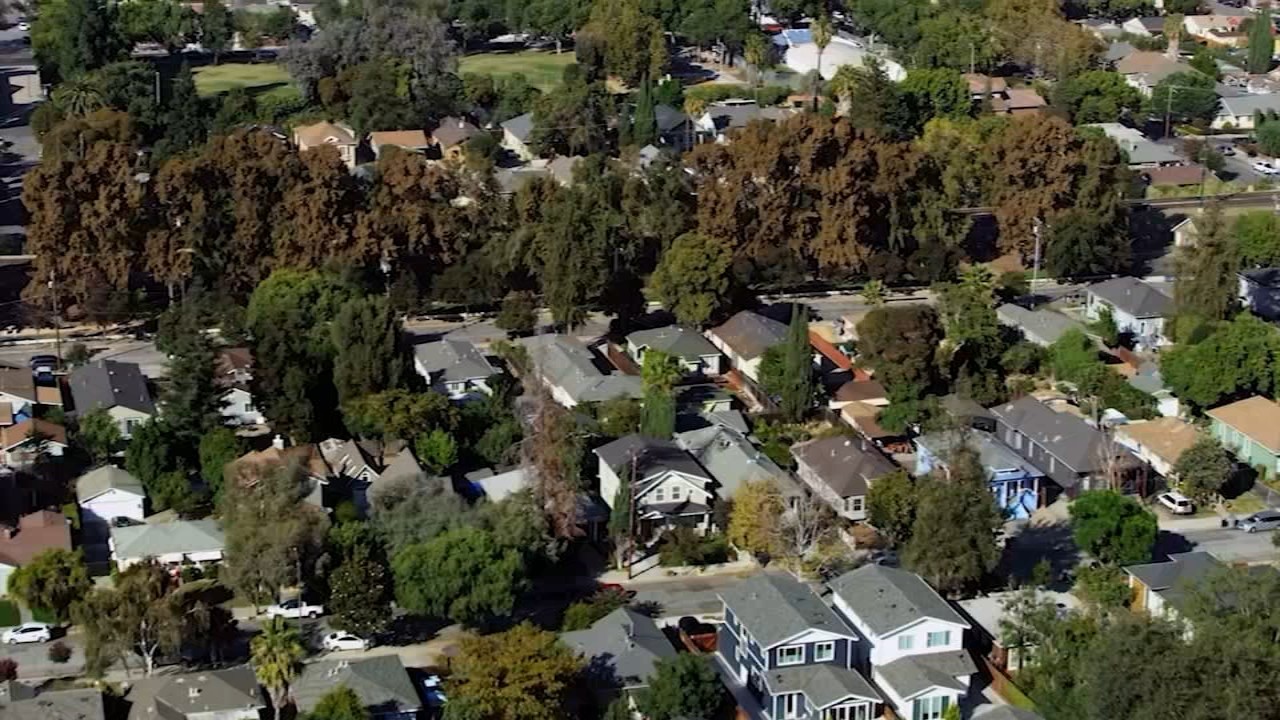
(790, 655)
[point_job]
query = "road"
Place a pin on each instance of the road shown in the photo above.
(1233, 546)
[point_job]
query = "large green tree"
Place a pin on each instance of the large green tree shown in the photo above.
(953, 536)
(1203, 469)
(360, 593)
(54, 581)
(694, 278)
(1113, 528)
(1206, 284)
(463, 575)
(1234, 360)
(370, 356)
(1096, 96)
(682, 686)
(70, 37)
(891, 506)
(1261, 41)
(521, 674)
(1184, 97)
(340, 703)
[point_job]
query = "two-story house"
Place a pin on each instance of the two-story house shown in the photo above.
(668, 487)
(696, 354)
(456, 368)
(1137, 308)
(840, 470)
(1014, 482)
(792, 652)
(911, 639)
(117, 387)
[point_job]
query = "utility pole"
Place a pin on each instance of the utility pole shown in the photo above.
(1035, 263)
(972, 55)
(1168, 108)
(57, 318)
(631, 518)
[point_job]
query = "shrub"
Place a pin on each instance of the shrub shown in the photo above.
(8, 669)
(9, 615)
(683, 546)
(191, 573)
(59, 652)
(584, 613)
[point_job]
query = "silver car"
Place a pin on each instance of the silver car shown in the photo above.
(1265, 520)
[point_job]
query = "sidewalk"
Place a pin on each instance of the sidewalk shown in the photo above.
(659, 574)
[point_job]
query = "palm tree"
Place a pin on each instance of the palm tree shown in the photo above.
(77, 98)
(822, 33)
(276, 654)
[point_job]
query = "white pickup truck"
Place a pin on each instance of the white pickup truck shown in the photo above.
(295, 608)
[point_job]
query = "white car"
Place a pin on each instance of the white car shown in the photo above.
(344, 641)
(33, 632)
(1263, 168)
(1176, 502)
(295, 608)
(24, 26)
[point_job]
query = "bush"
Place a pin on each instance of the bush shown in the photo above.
(584, 613)
(684, 546)
(9, 615)
(191, 573)
(8, 669)
(59, 652)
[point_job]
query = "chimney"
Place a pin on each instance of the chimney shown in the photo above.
(277, 442)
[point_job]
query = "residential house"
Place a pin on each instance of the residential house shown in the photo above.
(337, 135)
(696, 354)
(381, 683)
(1152, 26)
(1019, 101)
(1160, 442)
(107, 493)
(234, 373)
(981, 86)
(31, 535)
(912, 639)
(1101, 28)
(1005, 712)
(720, 120)
(675, 127)
(792, 652)
(668, 487)
(498, 484)
(1143, 153)
(864, 418)
(968, 413)
(744, 339)
(23, 702)
(1189, 175)
(231, 694)
(451, 136)
(987, 615)
(574, 374)
(1148, 379)
(1042, 327)
(118, 387)
(1116, 51)
(1137, 308)
(517, 134)
(1215, 30)
(511, 180)
(414, 141)
(1069, 451)
(1184, 233)
(455, 368)
(22, 445)
(1238, 113)
(175, 543)
(17, 395)
(1163, 588)
(250, 467)
(621, 651)
(869, 392)
(840, 470)
(1144, 69)
(1014, 481)
(1250, 428)
(562, 167)
(733, 461)
(1259, 291)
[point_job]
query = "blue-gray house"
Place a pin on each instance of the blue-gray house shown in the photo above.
(792, 652)
(1015, 482)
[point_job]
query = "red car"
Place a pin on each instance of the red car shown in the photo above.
(616, 588)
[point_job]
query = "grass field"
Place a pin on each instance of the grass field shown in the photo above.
(541, 69)
(214, 79)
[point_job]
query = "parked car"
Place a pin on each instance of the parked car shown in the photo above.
(1176, 503)
(433, 691)
(1263, 168)
(1260, 521)
(32, 632)
(344, 641)
(616, 588)
(295, 608)
(1227, 150)
(44, 364)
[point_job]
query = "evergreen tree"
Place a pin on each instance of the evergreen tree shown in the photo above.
(797, 385)
(185, 122)
(370, 356)
(1205, 286)
(216, 28)
(953, 536)
(644, 128)
(659, 376)
(192, 401)
(360, 594)
(1261, 44)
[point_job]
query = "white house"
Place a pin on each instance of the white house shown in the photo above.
(694, 352)
(517, 133)
(21, 444)
(668, 487)
(745, 337)
(234, 373)
(108, 493)
(176, 542)
(914, 639)
(1161, 588)
(1237, 113)
(1136, 307)
(454, 367)
(118, 387)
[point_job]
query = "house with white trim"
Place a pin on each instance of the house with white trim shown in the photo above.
(668, 487)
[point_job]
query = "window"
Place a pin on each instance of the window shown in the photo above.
(791, 705)
(824, 652)
(930, 708)
(790, 655)
(675, 492)
(658, 495)
(847, 712)
(905, 642)
(938, 639)
(856, 503)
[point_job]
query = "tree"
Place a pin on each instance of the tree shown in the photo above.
(754, 521)
(192, 399)
(681, 686)
(619, 416)
(935, 92)
(891, 506)
(644, 124)
(634, 46)
(899, 343)
(1105, 327)
(1113, 528)
(1261, 43)
(1084, 243)
(436, 450)
(399, 414)
(359, 594)
(72, 37)
(869, 99)
(1235, 360)
(154, 457)
(276, 654)
(584, 613)
(186, 123)
(1257, 236)
(1185, 96)
(97, 434)
(217, 448)
(622, 521)
(1103, 586)
(659, 373)
(413, 511)
(822, 32)
(53, 580)
(462, 574)
(1203, 469)
(216, 29)
(1096, 96)
(340, 703)
(137, 616)
(1268, 133)
(522, 674)
(1206, 282)
(797, 389)
(694, 279)
(953, 537)
(519, 313)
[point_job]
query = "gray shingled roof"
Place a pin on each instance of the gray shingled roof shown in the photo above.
(750, 334)
(1249, 104)
(380, 682)
(848, 465)
(1175, 579)
(623, 645)
(511, 180)
(1133, 296)
(565, 362)
(889, 599)
(561, 168)
(674, 340)
(914, 674)
(824, 684)
(733, 461)
(108, 477)
(774, 608)
(1072, 441)
(1004, 712)
(185, 536)
(107, 384)
(176, 696)
(1265, 277)
(1044, 326)
(80, 704)
(994, 455)
(668, 118)
(452, 361)
(650, 457)
(521, 126)
(454, 131)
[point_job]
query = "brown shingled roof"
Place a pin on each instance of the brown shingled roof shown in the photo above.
(36, 533)
(1257, 417)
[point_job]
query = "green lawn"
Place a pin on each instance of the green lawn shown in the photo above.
(541, 69)
(214, 79)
